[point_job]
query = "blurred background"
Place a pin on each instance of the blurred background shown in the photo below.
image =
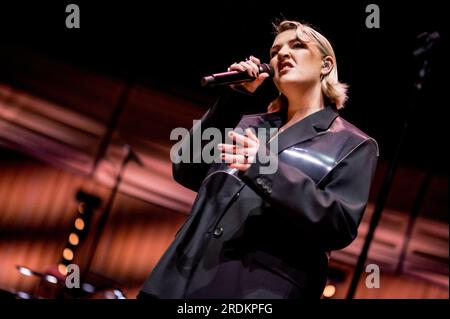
(86, 115)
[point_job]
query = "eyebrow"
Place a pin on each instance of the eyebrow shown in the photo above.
(289, 42)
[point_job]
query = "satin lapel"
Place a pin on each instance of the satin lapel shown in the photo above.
(307, 128)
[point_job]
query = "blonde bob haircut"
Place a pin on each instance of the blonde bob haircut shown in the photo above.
(334, 91)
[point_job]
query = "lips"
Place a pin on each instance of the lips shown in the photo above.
(284, 66)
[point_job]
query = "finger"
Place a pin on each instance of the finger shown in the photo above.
(235, 158)
(232, 149)
(255, 60)
(236, 67)
(227, 158)
(247, 153)
(248, 68)
(231, 67)
(254, 66)
(252, 135)
(241, 139)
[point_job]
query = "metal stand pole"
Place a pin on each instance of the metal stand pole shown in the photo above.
(427, 42)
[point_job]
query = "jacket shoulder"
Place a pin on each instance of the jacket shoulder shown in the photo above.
(351, 132)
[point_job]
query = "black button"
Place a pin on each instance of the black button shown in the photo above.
(258, 181)
(218, 231)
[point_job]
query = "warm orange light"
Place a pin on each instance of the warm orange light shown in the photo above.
(79, 223)
(329, 291)
(73, 239)
(62, 269)
(68, 254)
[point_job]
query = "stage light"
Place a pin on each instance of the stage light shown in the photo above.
(51, 279)
(82, 207)
(79, 223)
(23, 295)
(118, 294)
(68, 254)
(329, 291)
(25, 271)
(86, 205)
(74, 239)
(62, 269)
(88, 287)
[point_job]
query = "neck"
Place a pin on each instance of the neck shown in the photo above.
(304, 103)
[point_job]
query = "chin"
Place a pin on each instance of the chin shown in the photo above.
(289, 79)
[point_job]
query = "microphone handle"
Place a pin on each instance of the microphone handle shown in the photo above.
(226, 78)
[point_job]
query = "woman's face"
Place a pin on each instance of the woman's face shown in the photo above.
(295, 62)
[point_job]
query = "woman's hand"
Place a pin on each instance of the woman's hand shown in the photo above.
(241, 155)
(251, 67)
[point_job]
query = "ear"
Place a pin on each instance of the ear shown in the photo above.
(327, 65)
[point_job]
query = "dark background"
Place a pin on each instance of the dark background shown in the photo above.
(171, 45)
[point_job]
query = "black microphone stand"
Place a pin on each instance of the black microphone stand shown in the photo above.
(129, 155)
(422, 52)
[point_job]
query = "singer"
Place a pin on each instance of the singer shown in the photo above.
(255, 235)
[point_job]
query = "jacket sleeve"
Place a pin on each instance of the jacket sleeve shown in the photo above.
(328, 213)
(225, 113)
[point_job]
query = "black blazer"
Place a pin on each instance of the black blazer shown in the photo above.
(253, 235)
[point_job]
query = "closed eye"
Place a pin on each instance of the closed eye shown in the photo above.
(298, 45)
(295, 44)
(273, 53)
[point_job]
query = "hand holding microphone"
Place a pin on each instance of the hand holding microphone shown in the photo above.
(248, 74)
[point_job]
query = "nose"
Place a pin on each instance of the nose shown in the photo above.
(283, 53)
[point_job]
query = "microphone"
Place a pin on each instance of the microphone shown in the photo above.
(232, 77)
